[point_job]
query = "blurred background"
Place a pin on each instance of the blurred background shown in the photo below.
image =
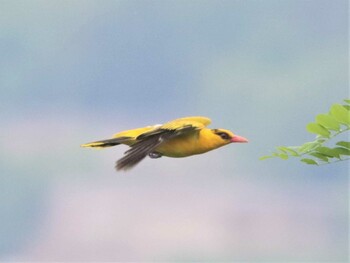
(77, 71)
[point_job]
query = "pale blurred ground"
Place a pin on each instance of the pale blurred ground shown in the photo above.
(76, 71)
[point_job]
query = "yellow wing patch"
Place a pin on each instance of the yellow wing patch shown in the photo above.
(135, 132)
(196, 122)
(130, 137)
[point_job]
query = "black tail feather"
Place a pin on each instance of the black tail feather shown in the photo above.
(107, 143)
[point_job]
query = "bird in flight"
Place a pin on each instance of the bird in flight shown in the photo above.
(178, 138)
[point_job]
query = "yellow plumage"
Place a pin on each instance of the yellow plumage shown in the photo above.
(178, 138)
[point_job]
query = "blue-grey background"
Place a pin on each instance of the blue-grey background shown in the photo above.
(77, 71)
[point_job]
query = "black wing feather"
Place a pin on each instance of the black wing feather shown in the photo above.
(146, 144)
(137, 153)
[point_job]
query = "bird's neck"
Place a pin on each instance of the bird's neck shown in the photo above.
(208, 140)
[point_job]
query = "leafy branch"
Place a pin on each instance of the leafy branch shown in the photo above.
(326, 127)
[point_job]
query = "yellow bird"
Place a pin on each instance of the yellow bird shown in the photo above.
(178, 138)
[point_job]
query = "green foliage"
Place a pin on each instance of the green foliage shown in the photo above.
(326, 127)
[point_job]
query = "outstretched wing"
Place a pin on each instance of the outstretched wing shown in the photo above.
(148, 141)
(139, 151)
(196, 121)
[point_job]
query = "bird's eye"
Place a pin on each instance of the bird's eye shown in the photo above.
(224, 135)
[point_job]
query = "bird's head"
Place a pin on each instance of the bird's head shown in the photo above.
(224, 137)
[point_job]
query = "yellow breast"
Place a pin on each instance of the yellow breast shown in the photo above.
(196, 142)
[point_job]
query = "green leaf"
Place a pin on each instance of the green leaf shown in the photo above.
(309, 161)
(340, 113)
(265, 157)
(347, 101)
(320, 140)
(344, 144)
(320, 156)
(287, 150)
(328, 121)
(309, 146)
(341, 151)
(283, 156)
(317, 129)
(291, 151)
(328, 152)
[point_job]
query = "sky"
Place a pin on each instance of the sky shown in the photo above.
(78, 71)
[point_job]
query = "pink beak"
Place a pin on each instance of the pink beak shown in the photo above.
(237, 138)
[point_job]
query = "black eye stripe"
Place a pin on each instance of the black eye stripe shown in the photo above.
(224, 135)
